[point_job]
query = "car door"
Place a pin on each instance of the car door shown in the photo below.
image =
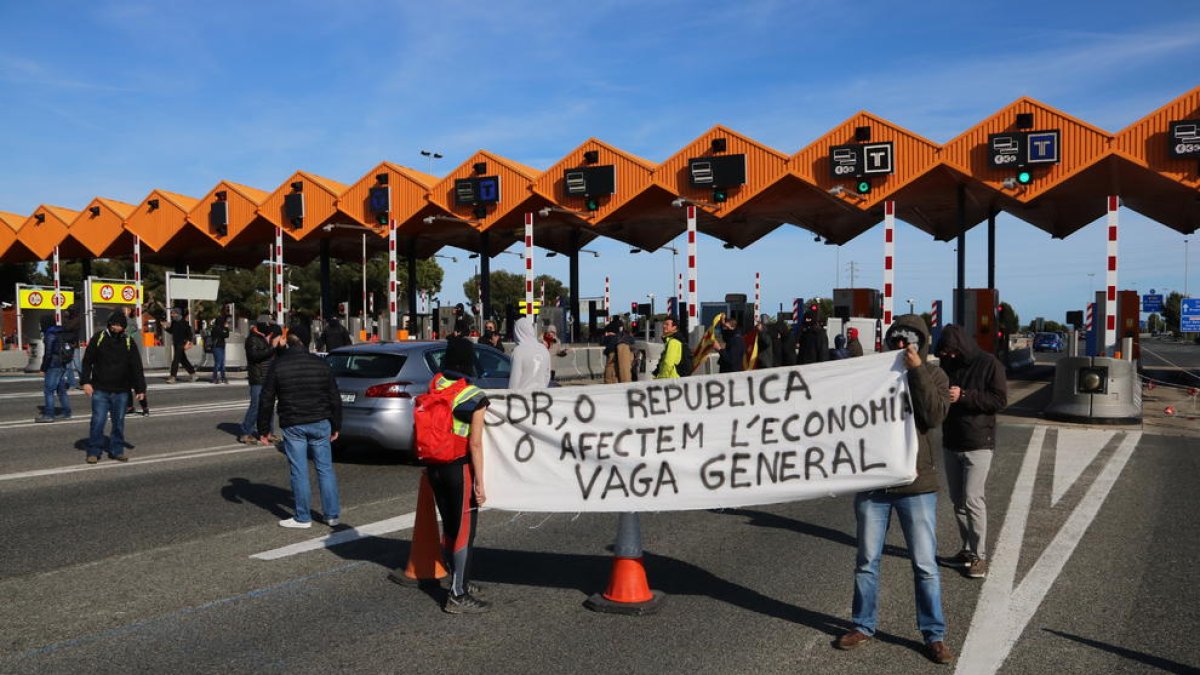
(492, 368)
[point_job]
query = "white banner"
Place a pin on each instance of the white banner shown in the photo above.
(715, 441)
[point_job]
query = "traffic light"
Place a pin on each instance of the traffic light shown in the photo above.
(381, 218)
(592, 204)
(863, 186)
(720, 195)
(1024, 177)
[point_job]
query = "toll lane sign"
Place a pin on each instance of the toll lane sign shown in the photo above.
(37, 298)
(1019, 149)
(105, 293)
(1189, 315)
(1152, 302)
(1184, 138)
(857, 161)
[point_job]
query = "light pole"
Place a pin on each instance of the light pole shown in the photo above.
(343, 226)
(429, 156)
(1185, 268)
(910, 302)
(674, 254)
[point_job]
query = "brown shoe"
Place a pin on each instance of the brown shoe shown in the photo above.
(92, 459)
(938, 652)
(851, 640)
(977, 569)
(961, 559)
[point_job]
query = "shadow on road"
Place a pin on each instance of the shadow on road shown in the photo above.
(1141, 657)
(267, 497)
(764, 519)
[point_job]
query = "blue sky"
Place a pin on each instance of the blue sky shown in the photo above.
(114, 99)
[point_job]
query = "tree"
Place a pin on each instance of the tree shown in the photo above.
(509, 289)
(1155, 323)
(1010, 323)
(1171, 310)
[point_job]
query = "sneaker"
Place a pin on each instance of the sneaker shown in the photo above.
(465, 604)
(195, 377)
(961, 559)
(92, 459)
(120, 458)
(43, 420)
(68, 416)
(170, 380)
(223, 381)
(276, 438)
(938, 652)
(295, 524)
(854, 638)
(977, 569)
(333, 522)
(145, 412)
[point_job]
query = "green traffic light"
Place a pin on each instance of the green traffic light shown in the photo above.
(719, 195)
(1024, 177)
(592, 204)
(863, 187)
(381, 218)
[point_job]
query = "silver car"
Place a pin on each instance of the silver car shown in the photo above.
(378, 382)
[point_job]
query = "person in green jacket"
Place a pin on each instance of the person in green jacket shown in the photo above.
(672, 355)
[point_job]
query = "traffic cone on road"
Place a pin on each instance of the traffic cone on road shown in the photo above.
(628, 590)
(425, 555)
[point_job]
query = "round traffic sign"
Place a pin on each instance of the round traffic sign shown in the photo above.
(35, 299)
(129, 294)
(58, 299)
(107, 292)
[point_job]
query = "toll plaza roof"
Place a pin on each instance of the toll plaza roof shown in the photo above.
(1029, 159)
(9, 222)
(100, 227)
(1153, 181)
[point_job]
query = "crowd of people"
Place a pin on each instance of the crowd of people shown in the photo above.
(961, 396)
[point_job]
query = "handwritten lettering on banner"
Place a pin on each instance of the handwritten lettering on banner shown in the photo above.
(738, 439)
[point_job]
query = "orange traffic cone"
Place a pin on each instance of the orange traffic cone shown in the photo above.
(425, 555)
(628, 590)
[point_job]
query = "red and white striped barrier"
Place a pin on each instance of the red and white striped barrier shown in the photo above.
(1110, 298)
(691, 250)
(889, 258)
(1091, 310)
(278, 266)
(137, 280)
(393, 317)
(757, 297)
(529, 266)
(57, 299)
(607, 296)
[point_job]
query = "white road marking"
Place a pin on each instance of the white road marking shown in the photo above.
(139, 461)
(85, 415)
(341, 537)
(1076, 450)
(1004, 609)
(79, 392)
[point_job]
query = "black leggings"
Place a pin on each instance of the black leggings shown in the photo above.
(180, 357)
(454, 491)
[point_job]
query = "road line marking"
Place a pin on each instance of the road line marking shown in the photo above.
(138, 461)
(158, 412)
(1076, 449)
(341, 537)
(1004, 609)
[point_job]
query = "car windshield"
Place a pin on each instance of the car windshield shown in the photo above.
(365, 365)
(1046, 337)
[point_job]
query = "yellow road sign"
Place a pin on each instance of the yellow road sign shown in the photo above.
(44, 298)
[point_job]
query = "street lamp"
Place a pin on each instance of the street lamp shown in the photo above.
(476, 255)
(343, 226)
(596, 254)
(910, 302)
(429, 156)
(446, 257)
(674, 254)
(1185, 269)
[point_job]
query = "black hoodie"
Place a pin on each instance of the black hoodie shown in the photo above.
(112, 362)
(971, 422)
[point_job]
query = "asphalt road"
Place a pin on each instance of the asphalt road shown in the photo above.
(149, 566)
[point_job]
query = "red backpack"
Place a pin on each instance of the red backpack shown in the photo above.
(433, 416)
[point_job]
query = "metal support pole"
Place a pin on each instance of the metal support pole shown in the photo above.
(278, 265)
(960, 300)
(527, 310)
(326, 285)
(485, 278)
(411, 253)
(364, 280)
(574, 281)
(56, 299)
(392, 315)
(991, 235)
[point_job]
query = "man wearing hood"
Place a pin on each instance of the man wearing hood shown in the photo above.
(259, 354)
(530, 360)
(853, 346)
(814, 343)
(335, 335)
(112, 366)
(978, 390)
(181, 340)
(915, 505)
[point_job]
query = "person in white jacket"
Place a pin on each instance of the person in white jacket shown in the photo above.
(530, 360)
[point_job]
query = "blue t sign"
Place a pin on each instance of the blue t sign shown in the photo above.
(1041, 147)
(380, 199)
(487, 189)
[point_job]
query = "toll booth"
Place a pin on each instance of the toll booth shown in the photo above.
(1129, 314)
(979, 316)
(734, 305)
(851, 303)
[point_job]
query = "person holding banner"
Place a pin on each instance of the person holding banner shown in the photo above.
(731, 350)
(458, 485)
(530, 360)
(915, 505)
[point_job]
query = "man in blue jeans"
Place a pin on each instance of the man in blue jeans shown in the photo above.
(56, 363)
(112, 366)
(259, 354)
(915, 506)
(310, 415)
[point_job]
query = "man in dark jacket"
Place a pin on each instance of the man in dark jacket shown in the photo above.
(335, 335)
(915, 505)
(259, 353)
(731, 351)
(217, 336)
(56, 363)
(112, 366)
(181, 340)
(310, 415)
(814, 343)
(978, 390)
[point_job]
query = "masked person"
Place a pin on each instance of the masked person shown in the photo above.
(181, 340)
(530, 360)
(915, 506)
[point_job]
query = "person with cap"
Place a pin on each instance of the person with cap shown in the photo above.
(814, 343)
(530, 361)
(853, 346)
(112, 366)
(310, 416)
(915, 505)
(462, 324)
(259, 353)
(181, 341)
(731, 349)
(458, 485)
(57, 355)
(618, 352)
(216, 338)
